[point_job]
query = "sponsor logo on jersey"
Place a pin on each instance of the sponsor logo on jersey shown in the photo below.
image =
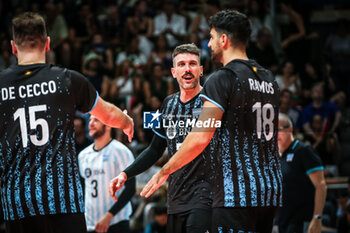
(87, 172)
(290, 157)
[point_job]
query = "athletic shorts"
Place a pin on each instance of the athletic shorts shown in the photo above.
(243, 219)
(192, 221)
(55, 223)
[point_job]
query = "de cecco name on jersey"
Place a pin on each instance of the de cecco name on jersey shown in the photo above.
(28, 91)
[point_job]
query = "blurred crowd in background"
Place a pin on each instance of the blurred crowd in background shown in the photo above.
(124, 48)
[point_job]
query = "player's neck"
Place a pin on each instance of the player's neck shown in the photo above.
(188, 94)
(102, 141)
(28, 58)
(234, 53)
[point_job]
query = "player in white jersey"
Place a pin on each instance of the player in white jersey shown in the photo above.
(99, 163)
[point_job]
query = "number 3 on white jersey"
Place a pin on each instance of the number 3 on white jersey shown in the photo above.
(268, 114)
(33, 124)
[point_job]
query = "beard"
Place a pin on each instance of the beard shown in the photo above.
(190, 85)
(98, 133)
(216, 56)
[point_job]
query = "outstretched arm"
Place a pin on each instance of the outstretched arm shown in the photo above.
(193, 145)
(112, 116)
(145, 160)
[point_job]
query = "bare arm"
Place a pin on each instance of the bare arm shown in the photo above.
(149, 28)
(193, 145)
(112, 116)
(298, 20)
(318, 180)
(308, 130)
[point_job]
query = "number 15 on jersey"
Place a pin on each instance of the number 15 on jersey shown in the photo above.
(20, 114)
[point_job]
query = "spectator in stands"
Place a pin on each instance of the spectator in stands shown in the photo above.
(293, 35)
(57, 29)
(310, 76)
(158, 85)
(121, 89)
(104, 51)
(170, 24)
(81, 139)
(200, 25)
(256, 15)
(304, 185)
(262, 50)
(92, 69)
(338, 47)
(112, 28)
(132, 55)
(329, 112)
(140, 25)
(289, 79)
(161, 54)
(81, 30)
(286, 107)
(326, 145)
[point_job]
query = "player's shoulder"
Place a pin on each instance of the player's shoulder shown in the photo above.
(7, 71)
(116, 145)
(87, 150)
(73, 73)
(223, 72)
(304, 148)
(171, 97)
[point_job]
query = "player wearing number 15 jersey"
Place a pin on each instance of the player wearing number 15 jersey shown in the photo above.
(40, 184)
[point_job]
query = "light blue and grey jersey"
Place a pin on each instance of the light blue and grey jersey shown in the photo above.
(98, 168)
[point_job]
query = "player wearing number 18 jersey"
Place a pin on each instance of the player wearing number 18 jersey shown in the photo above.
(40, 184)
(247, 151)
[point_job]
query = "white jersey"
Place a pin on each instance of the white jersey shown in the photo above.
(98, 168)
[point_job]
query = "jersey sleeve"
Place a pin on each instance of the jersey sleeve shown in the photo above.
(85, 94)
(218, 88)
(310, 160)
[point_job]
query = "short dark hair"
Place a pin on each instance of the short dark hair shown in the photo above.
(234, 24)
(28, 29)
(186, 48)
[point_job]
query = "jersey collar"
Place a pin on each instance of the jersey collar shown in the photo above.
(291, 147)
